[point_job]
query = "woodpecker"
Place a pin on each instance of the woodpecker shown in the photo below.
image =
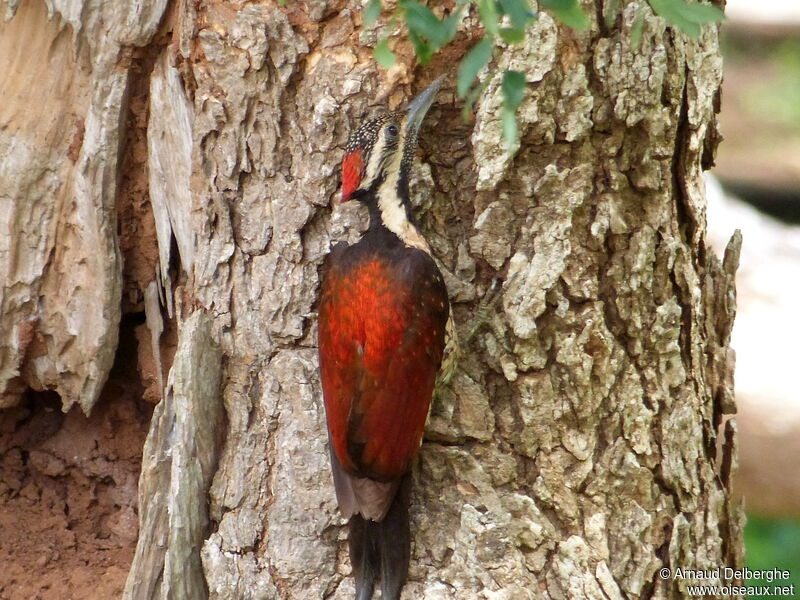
(383, 316)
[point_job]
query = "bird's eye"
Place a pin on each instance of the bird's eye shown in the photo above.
(392, 131)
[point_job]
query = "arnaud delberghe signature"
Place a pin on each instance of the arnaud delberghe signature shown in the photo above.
(729, 574)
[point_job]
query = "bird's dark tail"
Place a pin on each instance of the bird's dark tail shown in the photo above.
(379, 551)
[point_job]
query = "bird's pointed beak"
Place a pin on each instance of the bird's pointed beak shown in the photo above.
(419, 106)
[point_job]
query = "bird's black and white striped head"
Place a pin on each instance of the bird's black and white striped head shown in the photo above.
(371, 154)
(377, 163)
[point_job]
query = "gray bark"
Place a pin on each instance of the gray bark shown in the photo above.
(576, 450)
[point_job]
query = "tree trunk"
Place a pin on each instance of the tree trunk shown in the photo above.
(576, 450)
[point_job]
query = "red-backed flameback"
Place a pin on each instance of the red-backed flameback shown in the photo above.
(383, 315)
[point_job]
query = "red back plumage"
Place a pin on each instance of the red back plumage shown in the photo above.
(381, 339)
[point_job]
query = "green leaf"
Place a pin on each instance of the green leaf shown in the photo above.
(701, 13)
(512, 36)
(610, 14)
(383, 55)
(474, 94)
(421, 20)
(489, 16)
(669, 11)
(472, 63)
(686, 17)
(569, 12)
(513, 88)
(519, 11)
(637, 28)
(422, 49)
(451, 22)
(371, 12)
(509, 128)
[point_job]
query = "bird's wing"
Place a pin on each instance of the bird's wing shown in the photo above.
(381, 337)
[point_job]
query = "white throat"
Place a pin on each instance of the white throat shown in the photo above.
(394, 216)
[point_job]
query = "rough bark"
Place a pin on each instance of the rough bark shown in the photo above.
(180, 457)
(64, 81)
(576, 450)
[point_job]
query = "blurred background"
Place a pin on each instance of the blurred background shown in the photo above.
(755, 187)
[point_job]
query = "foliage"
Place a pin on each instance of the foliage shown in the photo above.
(686, 16)
(775, 97)
(773, 544)
(505, 22)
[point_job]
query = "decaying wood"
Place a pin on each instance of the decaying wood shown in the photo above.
(63, 101)
(575, 452)
(180, 457)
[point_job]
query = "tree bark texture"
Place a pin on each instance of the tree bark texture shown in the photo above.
(578, 448)
(64, 81)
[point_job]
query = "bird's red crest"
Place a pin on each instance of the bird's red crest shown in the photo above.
(352, 172)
